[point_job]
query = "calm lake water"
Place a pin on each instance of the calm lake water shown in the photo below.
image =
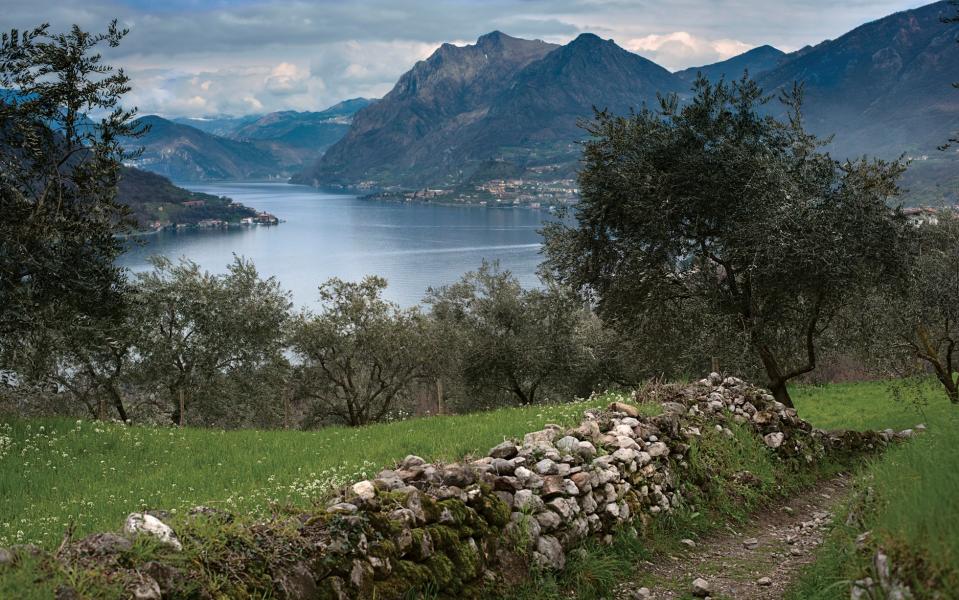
(414, 246)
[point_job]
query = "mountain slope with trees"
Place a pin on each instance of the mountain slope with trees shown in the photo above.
(253, 147)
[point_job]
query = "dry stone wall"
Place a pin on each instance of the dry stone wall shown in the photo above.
(455, 528)
(462, 524)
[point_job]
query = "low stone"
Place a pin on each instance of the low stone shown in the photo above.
(364, 490)
(795, 551)
(6, 557)
(764, 581)
(545, 467)
(701, 588)
(657, 449)
(542, 437)
(581, 480)
(100, 544)
(585, 450)
(750, 543)
(140, 523)
(147, 589)
(548, 520)
(561, 506)
(774, 440)
(688, 543)
(506, 450)
(552, 486)
(626, 409)
(624, 455)
(411, 461)
(551, 552)
(567, 444)
(642, 593)
(527, 500)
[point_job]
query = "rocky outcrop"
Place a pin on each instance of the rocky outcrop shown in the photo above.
(457, 527)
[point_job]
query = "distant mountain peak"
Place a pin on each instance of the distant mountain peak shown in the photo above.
(494, 37)
(587, 38)
(756, 60)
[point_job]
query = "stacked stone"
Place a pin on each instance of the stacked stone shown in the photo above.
(454, 527)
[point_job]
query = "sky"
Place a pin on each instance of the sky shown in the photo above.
(236, 57)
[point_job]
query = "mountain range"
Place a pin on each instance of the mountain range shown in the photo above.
(268, 146)
(508, 106)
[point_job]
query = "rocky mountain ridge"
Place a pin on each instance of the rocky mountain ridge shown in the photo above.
(884, 89)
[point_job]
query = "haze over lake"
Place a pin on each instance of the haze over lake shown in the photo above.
(414, 246)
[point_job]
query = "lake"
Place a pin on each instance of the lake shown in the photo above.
(414, 246)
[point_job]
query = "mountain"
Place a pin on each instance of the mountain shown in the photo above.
(154, 199)
(755, 61)
(184, 153)
(251, 147)
(221, 125)
(299, 138)
(885, 88)
(425, 110)
(503, 101)
(506, 107)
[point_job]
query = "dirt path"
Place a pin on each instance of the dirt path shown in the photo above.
(736, 563)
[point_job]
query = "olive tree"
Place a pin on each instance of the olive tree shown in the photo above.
(521, 343)
(359, 357)
(199, 328)
(912, 328)
(720, 205)
(58, 180)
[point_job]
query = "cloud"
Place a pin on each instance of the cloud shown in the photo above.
(286, 79)
(201, 57)
(681, 49)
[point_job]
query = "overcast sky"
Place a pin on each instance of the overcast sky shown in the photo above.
(206, 57)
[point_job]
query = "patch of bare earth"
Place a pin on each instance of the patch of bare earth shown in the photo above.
(755, 561)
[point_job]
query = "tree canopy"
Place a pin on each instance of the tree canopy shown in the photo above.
(58, 180)
(720, 206)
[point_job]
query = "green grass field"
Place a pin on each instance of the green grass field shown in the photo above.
(55, 472)
(909, 500)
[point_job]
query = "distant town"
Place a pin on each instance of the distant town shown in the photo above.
(517, 192)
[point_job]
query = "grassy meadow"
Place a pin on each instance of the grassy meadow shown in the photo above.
(55, 473)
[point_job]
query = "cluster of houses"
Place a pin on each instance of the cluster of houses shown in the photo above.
(926, 215)
(261, 218)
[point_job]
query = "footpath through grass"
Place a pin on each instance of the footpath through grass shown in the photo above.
(908, 499)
